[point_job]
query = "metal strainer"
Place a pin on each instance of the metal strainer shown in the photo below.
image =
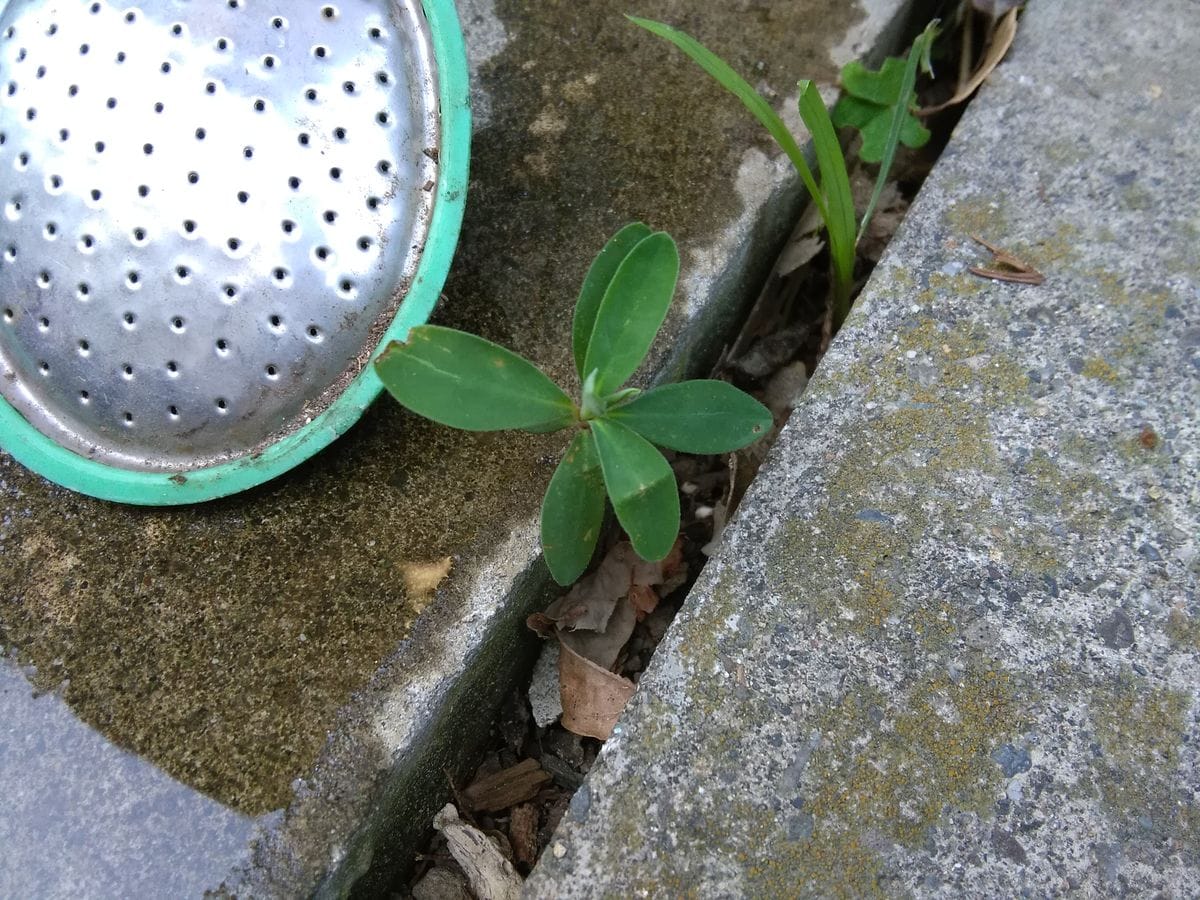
(214, 213)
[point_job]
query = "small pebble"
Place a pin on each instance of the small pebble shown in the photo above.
(559, 850)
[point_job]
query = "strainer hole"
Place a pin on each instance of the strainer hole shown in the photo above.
(348, 87)
(222, 346)
(99, 145)
(210, 88)
(294, 183)
(372, 203)
(383, 77)
(234, 4)
(83, 49)
(183, 273)
(129, 319)
(55, 181)
(51, 230)
(222, 44)
(314, 333)
(201, 134)
(364, 243)
(43, 278)
(41, 72)
(83, 289)
(147, 149)
(322, 253)
(173, 368)
(276, 321)
(280, 274)
(130, 16)
(139, 235)
(128, 418)
(96, 195)
(189, 226)
(260, 105)
(347, 287)
(10, 252)
(22, 160)
(248, 152)
(230, 291)
(133, 278)
(277, 22)
(268, 62)
(320, 51)
(193, 177)
(165, 67)
(173, 411)
(84, 348)
(127, 370)
(45, 367)
(43, 324)
(120, 56)
(339, 133)
(143, 190)
(9, 315)
(272, 372)
(329, 216)
(95, 8)
(242, 196)
(335, 173)
(328, 12)
(177, 324)
(382, 117)
(87, 242)
(72, 90)
(12, 88)
(84, 396)
(63, 134)
(221, 404)
(384, 166)
(111, 102)
(233, 244)
(303, 139)
(288, 226)
(31, 114)
(177, 29)
(311, 94)
(158, 107)
(374, 33)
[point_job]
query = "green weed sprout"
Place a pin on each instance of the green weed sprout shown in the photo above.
(464, 381)
(833, 199)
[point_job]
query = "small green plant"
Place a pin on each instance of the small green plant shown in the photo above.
(879, 104)
(464, 381)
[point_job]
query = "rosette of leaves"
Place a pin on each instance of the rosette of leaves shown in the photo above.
(463, 381)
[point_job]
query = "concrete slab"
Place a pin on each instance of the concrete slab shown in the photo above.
(261, 651)
(950, 647)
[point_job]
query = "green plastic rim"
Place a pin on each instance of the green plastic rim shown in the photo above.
(39, 453)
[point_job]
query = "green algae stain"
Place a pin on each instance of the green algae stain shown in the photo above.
(1140, 730)
(1100, 369)
(1183, 630)
(893, 768)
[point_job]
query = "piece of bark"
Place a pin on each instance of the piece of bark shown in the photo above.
(522, 833)
(506, 788)
(489, 874)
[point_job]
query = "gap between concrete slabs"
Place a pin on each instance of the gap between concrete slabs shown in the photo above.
(386, 768)
(951, 647)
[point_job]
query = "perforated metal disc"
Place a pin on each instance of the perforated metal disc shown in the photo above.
(214, 211)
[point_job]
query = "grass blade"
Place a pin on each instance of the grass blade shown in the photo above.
(751, 99)
(461, 380)
(641, 486)
(632, 311)
(840, 219)
(696, 417)
(573, 510)
(596, 282)
(918, 55)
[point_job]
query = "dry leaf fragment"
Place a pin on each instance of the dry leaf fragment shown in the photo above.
(644, 600)
(522, 833)
(592, 697)
(1007, 267)
(506, 788)
(421, 579)
(489, 874)
(592, 600)
(1002, 39)
(603, 647)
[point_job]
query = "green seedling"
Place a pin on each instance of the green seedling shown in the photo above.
(464, 381)
(881, 108)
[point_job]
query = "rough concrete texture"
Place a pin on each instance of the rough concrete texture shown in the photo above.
(261, 650)
(950, 647)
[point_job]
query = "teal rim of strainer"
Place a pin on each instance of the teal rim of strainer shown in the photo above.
(42, 455)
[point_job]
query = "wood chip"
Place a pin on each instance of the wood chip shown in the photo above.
(522, 833)
(506, 788)
(489, 874)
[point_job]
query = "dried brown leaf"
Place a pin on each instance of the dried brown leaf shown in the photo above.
(1002, 39)
(592, 600)
(644, 600)
(506, 788)
(592, 697)
(603, 647)
(1006, 266)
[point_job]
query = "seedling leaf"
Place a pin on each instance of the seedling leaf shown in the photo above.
(464, 381)
(641, 486)
(869, 102)
(598, 278)
(573, 510)
(632, 311)
(839, 201)
(696, 417)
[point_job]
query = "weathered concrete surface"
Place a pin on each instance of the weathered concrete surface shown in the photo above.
(951, 645)
(261, 650)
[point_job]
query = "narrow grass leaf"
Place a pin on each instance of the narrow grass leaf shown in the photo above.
(696, 417)
(599, 276)
(464, 381)
(901, 116)
(641, 486)
(573, 510)
(751, 99)
(632, 311)
(836, 183)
